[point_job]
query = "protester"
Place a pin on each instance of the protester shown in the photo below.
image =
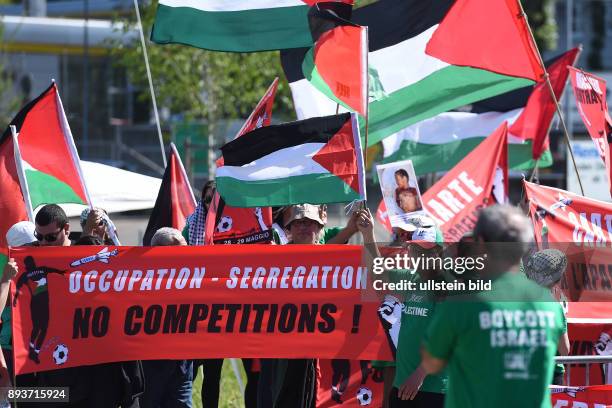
(123, 381)
(52, 227)
(330, 235)
(546, 268)
(291, 382)
(499, 344)
(94, 223)
(412, 387)
(20, 234)
(168, 382)
(193, 233)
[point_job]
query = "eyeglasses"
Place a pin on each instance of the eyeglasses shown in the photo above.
(47, 237)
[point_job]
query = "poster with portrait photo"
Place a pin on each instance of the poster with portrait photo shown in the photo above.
(400, 190)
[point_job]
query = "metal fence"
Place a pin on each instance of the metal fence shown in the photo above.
(567, 361)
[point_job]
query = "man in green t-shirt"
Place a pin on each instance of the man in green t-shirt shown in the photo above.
(499, 344)
(412, 387)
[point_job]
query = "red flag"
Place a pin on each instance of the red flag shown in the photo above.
(12, 204)
(477, 181)
(590, 92)
(175, 200)
(242, 225)
(261, 115)
(472, 32)
(534, 122)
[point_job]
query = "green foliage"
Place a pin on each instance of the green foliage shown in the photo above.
(202, 84)
(230, 395)
(9, 102)
(541, 15)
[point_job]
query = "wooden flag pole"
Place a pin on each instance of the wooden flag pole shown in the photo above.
(553, 96)
(367, 98)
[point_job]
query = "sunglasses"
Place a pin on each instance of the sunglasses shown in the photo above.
(47, 237)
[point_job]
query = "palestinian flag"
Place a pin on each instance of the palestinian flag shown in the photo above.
(175, 200)
(337, 40)
(234, 25)
(315, 161)
(12, 204)
(48, 155)
(439, 143)
(429, 57)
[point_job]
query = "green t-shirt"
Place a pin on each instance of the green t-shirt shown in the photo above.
(500, 345)
(329, 233)
(419, 309)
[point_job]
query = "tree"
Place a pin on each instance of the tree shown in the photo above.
(541, 17)
(201, 84)
(9, 102)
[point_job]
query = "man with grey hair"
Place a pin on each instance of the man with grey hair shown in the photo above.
(168, 382)
(167, 236)
(499, 344)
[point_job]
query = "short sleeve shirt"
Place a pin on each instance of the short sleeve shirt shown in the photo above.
(499, 345)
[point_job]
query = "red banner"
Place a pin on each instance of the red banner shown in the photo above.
(590, 92)
(352, 383)
(479, 180)
(582, 229)
(582, 397)
(137, 303)
(589, 339)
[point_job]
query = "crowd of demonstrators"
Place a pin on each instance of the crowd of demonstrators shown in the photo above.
(97, 386)
(492, 361)
(168, 382)
(449, 350)
(412, 387)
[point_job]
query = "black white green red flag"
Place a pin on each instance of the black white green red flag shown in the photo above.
(437, 144)
(429, 57)
(315, 161)
(44, 168)
(234, 25)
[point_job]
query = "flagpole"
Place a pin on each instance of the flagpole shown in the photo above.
(553, 96)
(367, 97)
(25, 191)
(146, 58)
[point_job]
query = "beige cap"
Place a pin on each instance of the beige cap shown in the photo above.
(300, 211)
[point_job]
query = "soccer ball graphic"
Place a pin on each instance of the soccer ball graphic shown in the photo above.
(60, 354)
(364, 396)
(225, 224)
